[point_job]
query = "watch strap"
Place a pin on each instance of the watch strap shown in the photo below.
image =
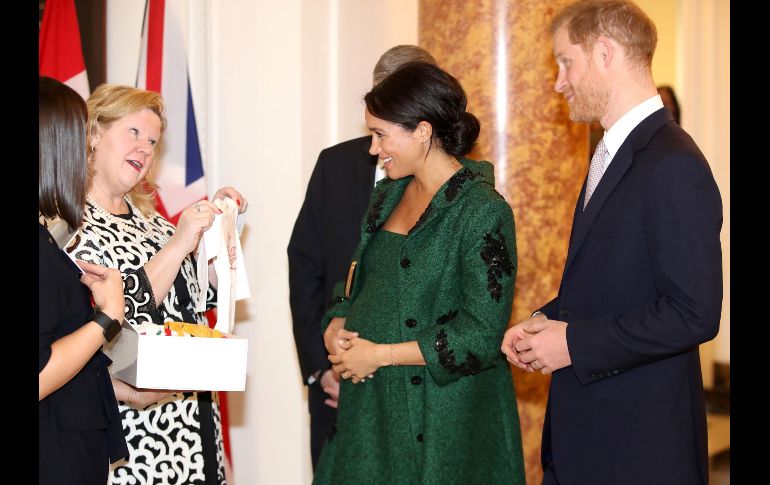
(110, 325)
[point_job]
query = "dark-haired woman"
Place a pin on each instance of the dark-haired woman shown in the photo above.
(79, 431)
(426, 395)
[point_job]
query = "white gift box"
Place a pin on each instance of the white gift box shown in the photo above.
(178, 363)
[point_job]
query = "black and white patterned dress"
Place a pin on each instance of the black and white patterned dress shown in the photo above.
(177, 440)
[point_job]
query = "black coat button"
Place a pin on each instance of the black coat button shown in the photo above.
(405, 263)
(410, 322)
(419, 437)
(416, 380)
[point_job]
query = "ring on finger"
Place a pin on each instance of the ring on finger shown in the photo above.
(197, 207)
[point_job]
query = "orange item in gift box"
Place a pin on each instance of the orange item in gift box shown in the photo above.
(191, 329)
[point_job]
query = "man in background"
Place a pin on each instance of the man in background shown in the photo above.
(669, 101)
(322, 243)
(642, 284)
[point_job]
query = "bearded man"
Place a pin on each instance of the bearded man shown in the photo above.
(642, 283)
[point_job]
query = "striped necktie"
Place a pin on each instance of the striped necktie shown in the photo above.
(596, 170)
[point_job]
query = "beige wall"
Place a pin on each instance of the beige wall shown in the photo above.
(664, 14)
(341, 42)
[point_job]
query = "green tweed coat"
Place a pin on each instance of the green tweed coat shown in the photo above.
(454, 420)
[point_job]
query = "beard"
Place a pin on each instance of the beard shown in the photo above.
(589, 102)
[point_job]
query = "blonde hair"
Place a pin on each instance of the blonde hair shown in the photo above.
(620, 20)
(107, 104)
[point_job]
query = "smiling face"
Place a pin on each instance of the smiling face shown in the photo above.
(124, 151)
(401, 151)
(578, 80)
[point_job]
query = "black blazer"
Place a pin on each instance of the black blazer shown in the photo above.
(79, 429)
(325, 235)
(641, 289)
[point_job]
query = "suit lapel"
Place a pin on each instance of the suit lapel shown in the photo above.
(364, 175)
(621, 162)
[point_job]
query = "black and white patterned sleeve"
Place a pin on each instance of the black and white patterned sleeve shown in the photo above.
(139, 297)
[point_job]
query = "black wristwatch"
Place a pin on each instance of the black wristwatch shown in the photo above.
(110, 325)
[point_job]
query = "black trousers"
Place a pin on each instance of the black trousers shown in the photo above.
(321, 419)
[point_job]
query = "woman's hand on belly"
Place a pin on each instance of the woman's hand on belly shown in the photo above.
(360, 360)
(336, 337)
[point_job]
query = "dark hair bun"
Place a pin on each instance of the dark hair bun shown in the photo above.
(461, 137)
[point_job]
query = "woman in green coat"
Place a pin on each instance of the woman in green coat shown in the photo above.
(426, 396)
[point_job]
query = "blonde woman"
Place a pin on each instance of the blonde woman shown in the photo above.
(177, 440)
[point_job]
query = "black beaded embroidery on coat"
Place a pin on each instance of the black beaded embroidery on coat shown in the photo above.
(446, 358)
(447, 317)
(457, 181)
(374, 214)
(422, 218)
(495, 256)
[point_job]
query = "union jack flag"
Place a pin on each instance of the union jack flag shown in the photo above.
(163, 69)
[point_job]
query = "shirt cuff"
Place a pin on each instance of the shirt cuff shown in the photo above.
(316, 376)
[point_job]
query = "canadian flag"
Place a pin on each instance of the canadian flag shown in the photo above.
(60, 52)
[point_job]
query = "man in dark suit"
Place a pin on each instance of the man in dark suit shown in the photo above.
(325, 235)
(642, 284)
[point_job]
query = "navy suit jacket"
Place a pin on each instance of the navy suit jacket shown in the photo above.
(641, 290)
(325, 236)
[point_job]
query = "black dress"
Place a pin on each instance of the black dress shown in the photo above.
(79, 430)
